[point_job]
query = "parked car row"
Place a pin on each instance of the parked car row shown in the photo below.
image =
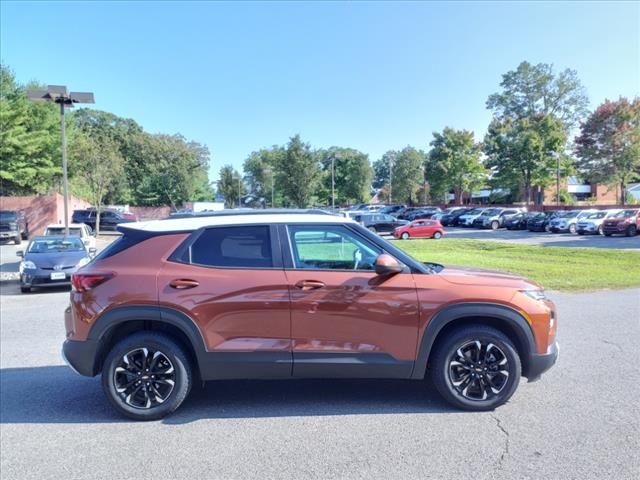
(109, 219)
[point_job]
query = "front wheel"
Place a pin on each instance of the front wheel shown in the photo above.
(495, 225)
(572, 228)
(17, 239)
(632, 231)
(437, 235)
(146, 376)
(476, 368)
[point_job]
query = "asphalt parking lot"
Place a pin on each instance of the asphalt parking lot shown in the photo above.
(580, 421)
(525, 237)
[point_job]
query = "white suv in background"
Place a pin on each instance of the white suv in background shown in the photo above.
(467, 219)
(75, 230)
(568, 221)
(592, 223)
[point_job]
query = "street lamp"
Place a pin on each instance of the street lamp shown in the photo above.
(58, 94)
(270, 172)
(390, 176)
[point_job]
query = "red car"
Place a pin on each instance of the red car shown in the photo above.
(422, 227)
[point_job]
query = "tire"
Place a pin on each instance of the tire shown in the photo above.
(444, 372)
(580, 232)
(437, 235)
(372, 229)
(608, 234)
(600, 231)
(24, 235)
(17, 240)
(405, 236)
(25, 289)
(547, 228)
(172, 359)
(495, 225)
(572, 228)
(632, 231)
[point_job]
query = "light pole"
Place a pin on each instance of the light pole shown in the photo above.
(58, 94)
(239, 190)
(390, 176)
(557, 180)
(270, 172)
(333, 183)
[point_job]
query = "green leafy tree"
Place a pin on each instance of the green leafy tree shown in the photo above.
(608, 146)
(260, 171)
(532, 91)
(381, 172)
(231, 186)
(352, 175)
(298, 173)
(523, 153)
(97, 163)
(454, 164)
(29, 140)
(407, 174)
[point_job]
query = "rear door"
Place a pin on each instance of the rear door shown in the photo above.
(346, 321)
(230, 281)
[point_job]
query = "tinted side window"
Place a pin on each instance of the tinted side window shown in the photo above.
(233, 247)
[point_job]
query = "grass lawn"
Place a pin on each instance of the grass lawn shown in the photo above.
(557, 268)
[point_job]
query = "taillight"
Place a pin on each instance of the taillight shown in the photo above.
(82, 282)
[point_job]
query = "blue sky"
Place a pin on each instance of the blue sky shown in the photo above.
(369, 75)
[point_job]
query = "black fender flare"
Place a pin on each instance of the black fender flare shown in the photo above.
(111, 319)
(511, 318)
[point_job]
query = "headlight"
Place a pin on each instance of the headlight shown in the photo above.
(83, 262)
(535, 294)
(26, 265)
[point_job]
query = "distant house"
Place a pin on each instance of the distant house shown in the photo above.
(633, 189)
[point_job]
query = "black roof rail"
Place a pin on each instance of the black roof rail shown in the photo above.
(260, 211)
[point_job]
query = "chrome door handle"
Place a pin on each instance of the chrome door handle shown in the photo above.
(306, 285)
(183, 283)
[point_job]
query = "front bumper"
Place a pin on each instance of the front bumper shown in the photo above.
(11, 234)
(41, 281)
(81, 356)
(540, 363)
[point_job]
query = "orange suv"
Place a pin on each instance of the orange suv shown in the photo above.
(295, 295)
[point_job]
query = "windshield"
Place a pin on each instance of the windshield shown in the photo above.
(569, 214)
(490, 212)
(69, 244)
(75, 232)
(475, 211)
(8, 216)
(596, 215)
(625, 214)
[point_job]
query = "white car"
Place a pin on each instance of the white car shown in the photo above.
(76, 230)
(592, 223)
(568, 221)
(467, 219)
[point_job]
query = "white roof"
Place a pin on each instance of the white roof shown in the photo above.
(61, 225)
(189, 224)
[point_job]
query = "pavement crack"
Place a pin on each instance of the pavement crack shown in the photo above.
(505, 451)
(609, 342)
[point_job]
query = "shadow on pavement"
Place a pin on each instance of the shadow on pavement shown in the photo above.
(58, 395)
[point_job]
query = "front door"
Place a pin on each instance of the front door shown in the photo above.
(230, 281)
(345, 319)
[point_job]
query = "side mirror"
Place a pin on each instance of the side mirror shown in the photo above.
(93, 251)
(20, 254)
(387, 265)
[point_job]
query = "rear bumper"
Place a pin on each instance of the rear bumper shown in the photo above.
(540, 363)
(9, 234)
(81, 356)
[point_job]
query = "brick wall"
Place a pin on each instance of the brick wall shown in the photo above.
(150, 213)
(42, 210)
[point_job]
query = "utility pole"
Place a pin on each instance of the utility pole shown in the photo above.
(333, 185)
(558, 180)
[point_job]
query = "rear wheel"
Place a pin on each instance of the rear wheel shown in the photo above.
(632, 231)
(17, 239)
(476, 368)
(25, 289)
(437, 235)
(373, 229)
(146, 376)
(572, 228)
(495, 225)
(405, 235)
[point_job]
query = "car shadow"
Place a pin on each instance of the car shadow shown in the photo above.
(12, 287)
(56, 394)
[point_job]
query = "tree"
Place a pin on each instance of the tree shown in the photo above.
(534, 90)
(524, 153)
(381, 172)
(97, 163)
(352, 175)
(407, 173)
(608, 146)
(230, 185)
(29, 140)
(454, 163)
(260, 170)
(297, 172)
